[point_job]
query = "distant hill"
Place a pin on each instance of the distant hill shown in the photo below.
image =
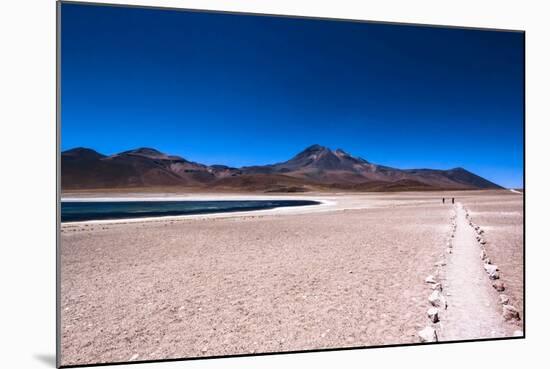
(315, 168)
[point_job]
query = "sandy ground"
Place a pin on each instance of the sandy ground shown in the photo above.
(473, 310)
(347, 273)
(502, 220)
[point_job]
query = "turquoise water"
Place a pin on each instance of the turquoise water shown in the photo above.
(73, 211)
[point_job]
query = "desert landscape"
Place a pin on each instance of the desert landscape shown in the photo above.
(236, 184)
(360, 269)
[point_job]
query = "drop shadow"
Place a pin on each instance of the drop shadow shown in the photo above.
(48, 359)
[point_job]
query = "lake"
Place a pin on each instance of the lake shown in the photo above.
(74, 211)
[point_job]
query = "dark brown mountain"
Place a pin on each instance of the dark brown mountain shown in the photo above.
(315, 168)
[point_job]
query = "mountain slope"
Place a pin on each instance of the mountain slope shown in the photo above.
(315, 168)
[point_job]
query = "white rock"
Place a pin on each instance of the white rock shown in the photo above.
(430, 279)
(427, 334)
(437, 299)
(489, 268)
(482, 254)
(437, 286)
(433, 314)
(504, 299)
(509, 312)
(518, 333)
(134, 357)
(499, 286)
(492, 270)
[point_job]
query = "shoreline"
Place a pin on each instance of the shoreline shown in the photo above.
(336, 201)
(187, 197)
(322, 203)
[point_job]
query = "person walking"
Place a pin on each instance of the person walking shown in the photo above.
(453, 200)
(443, 200)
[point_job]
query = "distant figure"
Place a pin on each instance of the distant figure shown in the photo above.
(443, 200)
(453, 200)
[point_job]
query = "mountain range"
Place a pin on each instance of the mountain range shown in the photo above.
(315, 168)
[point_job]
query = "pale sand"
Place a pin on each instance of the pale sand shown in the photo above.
(474, 310)
(347, 273)
(502, 220)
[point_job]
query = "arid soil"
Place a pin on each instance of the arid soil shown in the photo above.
(349, 273)
(473, 310)
(502, 220)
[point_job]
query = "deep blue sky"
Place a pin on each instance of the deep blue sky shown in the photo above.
(242, 90)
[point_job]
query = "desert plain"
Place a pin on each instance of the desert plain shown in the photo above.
(360, 269)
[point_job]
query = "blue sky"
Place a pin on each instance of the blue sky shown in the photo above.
(243, 90)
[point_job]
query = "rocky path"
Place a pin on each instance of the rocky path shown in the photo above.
(473, 308)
